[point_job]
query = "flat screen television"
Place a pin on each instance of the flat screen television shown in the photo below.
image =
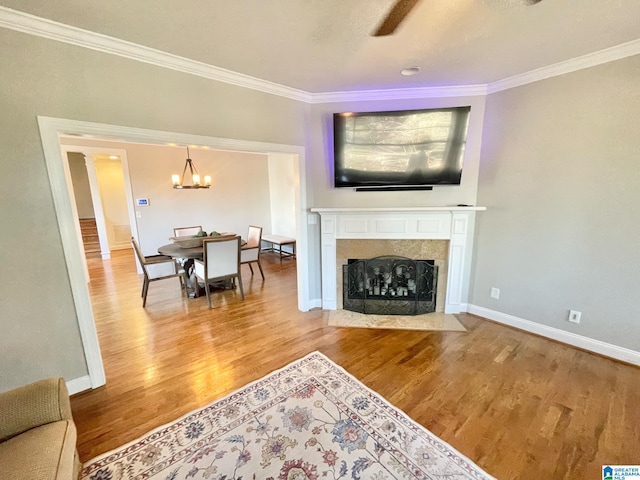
(405, 148)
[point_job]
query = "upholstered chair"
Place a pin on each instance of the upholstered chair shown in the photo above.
(221, 262)
(186, 231)
(250, 253)
(157, 267)
(37, 433)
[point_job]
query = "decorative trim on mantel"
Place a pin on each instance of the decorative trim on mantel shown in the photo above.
(42, 27)
(400, 223)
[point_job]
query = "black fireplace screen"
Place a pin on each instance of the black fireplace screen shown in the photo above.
(390, 285)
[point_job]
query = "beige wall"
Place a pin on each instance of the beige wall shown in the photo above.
(114, 200)
(282, 179)
(561, 181)
(43, 77)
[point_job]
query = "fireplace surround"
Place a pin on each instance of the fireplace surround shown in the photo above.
(419, 225)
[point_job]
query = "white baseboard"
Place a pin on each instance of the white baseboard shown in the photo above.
(315, 303)
(586, 343)
(78, 385)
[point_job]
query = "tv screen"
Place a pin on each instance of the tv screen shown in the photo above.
(400, 148)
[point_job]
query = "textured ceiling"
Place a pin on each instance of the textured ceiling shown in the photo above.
(325, 45)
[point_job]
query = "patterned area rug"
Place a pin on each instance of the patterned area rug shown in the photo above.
(307, 421)
(430, 321)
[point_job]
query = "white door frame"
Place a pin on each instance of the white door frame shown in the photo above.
(50, 131)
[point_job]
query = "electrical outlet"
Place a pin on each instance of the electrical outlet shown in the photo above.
(495, 292)
(574, 316)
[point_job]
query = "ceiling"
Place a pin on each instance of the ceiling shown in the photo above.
(325, 45)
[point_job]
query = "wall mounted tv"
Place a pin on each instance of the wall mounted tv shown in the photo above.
(396, 150)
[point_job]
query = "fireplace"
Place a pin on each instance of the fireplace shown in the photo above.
(417, 227)
(390, 285)
(434, 250)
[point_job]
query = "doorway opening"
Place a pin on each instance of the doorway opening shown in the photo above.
(51, 129)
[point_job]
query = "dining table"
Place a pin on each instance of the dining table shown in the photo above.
(176, 251)
(186, 257)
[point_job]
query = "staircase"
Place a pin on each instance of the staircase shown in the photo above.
(90, 237)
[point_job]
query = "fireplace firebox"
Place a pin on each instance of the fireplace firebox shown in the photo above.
(390, 285)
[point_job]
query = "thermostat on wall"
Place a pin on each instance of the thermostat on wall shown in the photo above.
(142, 202)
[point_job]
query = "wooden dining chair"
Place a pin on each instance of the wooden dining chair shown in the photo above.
(157, 267)
(250, 252)
(186, 231)
(221, 262)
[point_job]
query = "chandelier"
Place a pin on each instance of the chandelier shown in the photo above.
(178, 181)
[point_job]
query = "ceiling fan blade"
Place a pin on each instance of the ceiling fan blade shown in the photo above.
(396, 15)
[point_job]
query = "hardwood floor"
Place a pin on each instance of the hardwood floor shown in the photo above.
(520, 406)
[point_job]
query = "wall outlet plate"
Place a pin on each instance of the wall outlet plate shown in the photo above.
(495, 292)
(574, 316)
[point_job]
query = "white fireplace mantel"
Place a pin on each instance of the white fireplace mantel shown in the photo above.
(453, 223)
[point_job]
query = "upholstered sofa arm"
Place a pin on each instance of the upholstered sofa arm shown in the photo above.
(33, 405)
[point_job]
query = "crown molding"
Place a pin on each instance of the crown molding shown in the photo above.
(41, 27)
(400, 93)
(593, 59)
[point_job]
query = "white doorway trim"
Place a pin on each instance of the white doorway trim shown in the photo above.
(50, 131)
